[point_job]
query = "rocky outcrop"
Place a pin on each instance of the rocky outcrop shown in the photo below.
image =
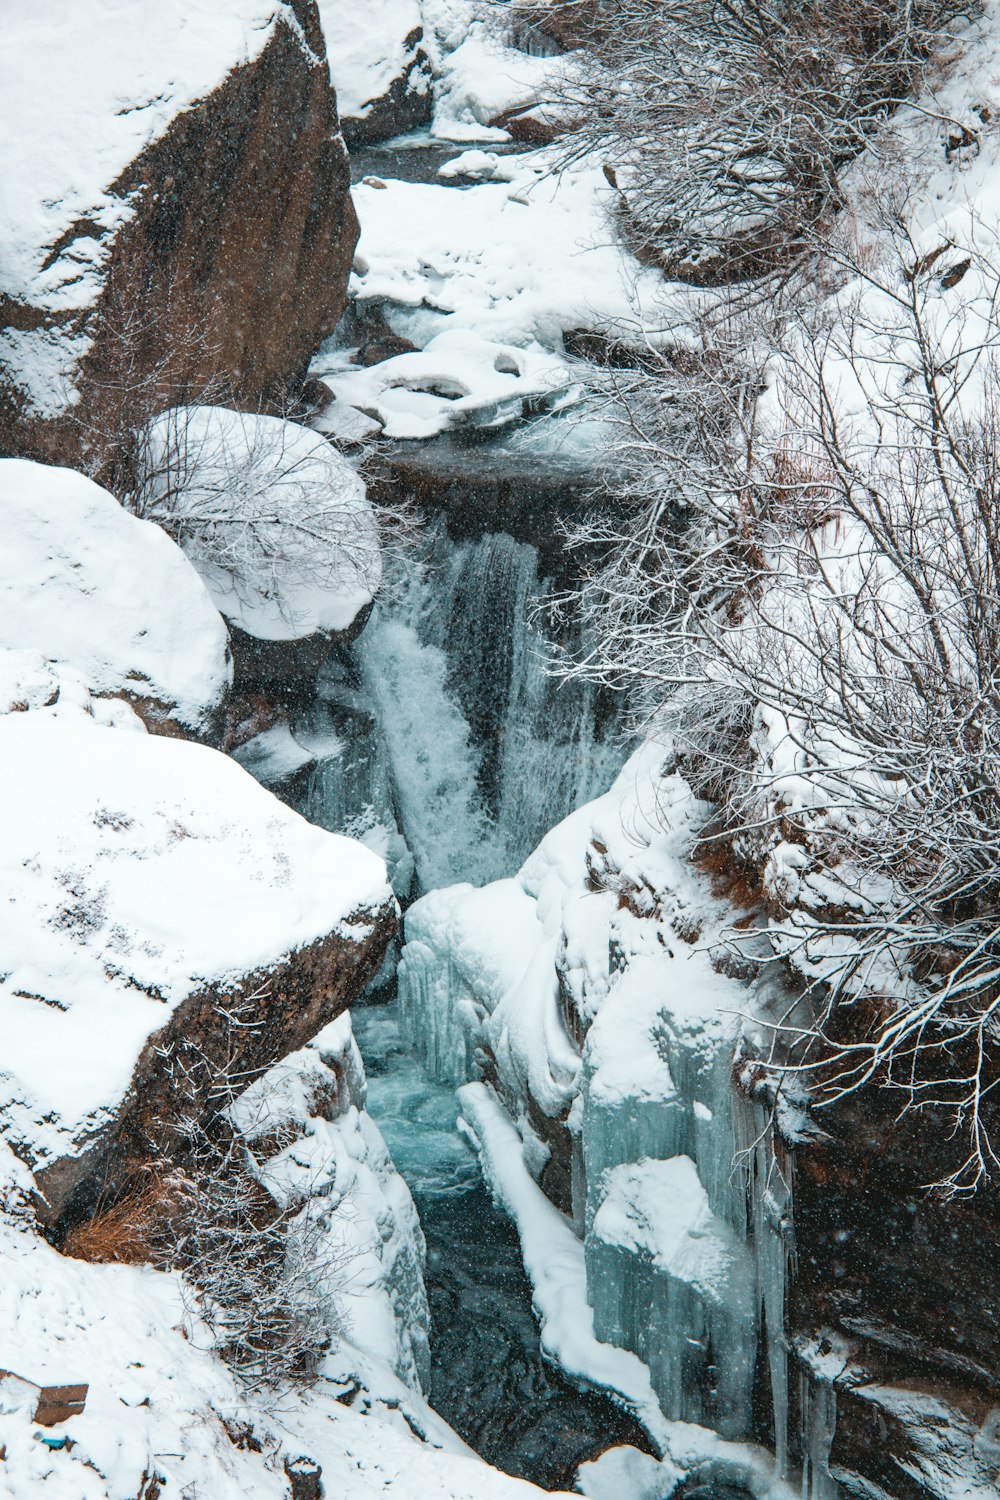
(216, 254)
(169, 931)
(380, 67)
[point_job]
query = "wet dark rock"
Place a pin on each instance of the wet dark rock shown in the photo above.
(907, 1283)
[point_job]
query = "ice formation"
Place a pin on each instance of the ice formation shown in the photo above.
(583, 990)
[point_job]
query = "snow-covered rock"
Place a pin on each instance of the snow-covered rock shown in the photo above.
(144, 880)
(378, 65)
(104, 596)
(273, 517)
(332, 1159)
(164, 1416)
(458, 380)
(480, 80)
(582, 990)
(129, 117)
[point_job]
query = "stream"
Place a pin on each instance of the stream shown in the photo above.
(442, 739)
(488, 1377)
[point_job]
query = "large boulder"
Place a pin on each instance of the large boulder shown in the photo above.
(166, 923)
(174, 209)
(106, 599)
(278, 524)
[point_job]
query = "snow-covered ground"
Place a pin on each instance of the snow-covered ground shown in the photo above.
(163, 1410)
(486, 282)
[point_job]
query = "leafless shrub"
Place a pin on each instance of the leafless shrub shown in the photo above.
(807, 595)
(265, 1276)
(725, 124)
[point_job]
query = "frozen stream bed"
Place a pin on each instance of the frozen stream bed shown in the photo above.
(488, 1377)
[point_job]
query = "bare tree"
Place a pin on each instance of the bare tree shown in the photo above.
(725, 124)
(807, 595)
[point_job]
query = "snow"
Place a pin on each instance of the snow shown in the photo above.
(159, 867)
(695, 1455)
(477, 76)
(486, 282)
(368, 53)
(479, 166)
(516, 262)
(659, 1209)
(273, 756)
(105, 595)
(274, 518)
(458, 379)
(160, 1403)
(90, 88)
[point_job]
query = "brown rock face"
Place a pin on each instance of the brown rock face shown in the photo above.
(908, 1284)
(214, 1035)
(232, 267)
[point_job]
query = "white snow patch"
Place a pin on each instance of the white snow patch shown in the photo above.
(135, 871)
(107, 596)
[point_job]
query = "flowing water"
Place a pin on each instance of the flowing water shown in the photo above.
(442, 738)
(488, 1377)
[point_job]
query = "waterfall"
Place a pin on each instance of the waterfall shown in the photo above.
(488, 750)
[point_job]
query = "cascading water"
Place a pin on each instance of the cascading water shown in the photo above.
(479, 750)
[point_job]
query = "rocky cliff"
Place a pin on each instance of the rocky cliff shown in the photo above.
(178, 210)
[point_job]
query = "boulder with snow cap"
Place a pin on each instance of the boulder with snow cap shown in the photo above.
(165, 904)
(379, 66)
(174, 209)
(104, 598)
(278, 524)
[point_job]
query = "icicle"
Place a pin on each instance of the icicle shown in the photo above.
(437, 1015)
(819, 1422)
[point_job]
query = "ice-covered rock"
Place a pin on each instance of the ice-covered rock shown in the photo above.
(154, 892)
(332, 1160)
(674, 1283)
(583, 992)
(106, 597)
